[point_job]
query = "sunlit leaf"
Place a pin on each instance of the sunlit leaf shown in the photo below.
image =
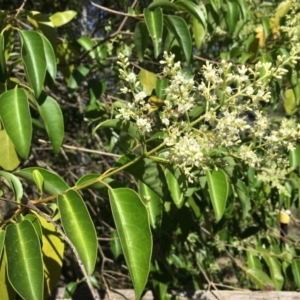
(53, 184)
(296, 271)
(6, 290)
(53, 120)
(79, 227)
(61, 18)
(154, 22)
(33, 56)
(14, 184)
(153, 203)
(261, 279)
(180, 29)
(275, 271)
(15, 116)
(148, 81)
(132, 223)
(218, 191)
(9, 159)
(24, 260)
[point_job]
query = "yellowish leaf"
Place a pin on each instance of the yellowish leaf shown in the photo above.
(9, 159)
(52, 250)
(148, 81)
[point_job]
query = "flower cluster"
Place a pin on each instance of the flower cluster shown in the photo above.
(232, 122)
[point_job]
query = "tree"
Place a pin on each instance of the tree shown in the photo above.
(196, 102)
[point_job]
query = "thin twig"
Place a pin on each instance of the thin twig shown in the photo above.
(20, 8)
(111, 10)
(74, 250)
(83, 149)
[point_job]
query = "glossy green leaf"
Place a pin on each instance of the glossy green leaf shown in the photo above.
(218, 191)
(180, 29)
(88, 45)
(149, 172)
(148, 81)
(165, 4)
(50, 57)
(33, 57)
(175, 189)
(39, 181)
(154, 22)
(2, 59)
(244, 8)
(153, 203)
(195, 10)
(160, 88)
(53, 184)
(79, 227)
(15, 116)
(216, 4)
(294, 157)
(61, 18)
(24, 260)
(129, 127)
(140, 38)
(9, 159)
(275, 271)
(132, 223)
(115, 244)
(261, 279)
(14, 184)
(296, 271)
(53, 120)
(32, 218)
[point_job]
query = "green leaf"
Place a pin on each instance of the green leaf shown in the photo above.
(154, 22)
(132, 223)
(296, 271)
(198, 32)
(295, 157)
(216, 4)
(149, 172)
(261, 279)
(53, 184)
(252, 261)
(79, 227)
(140, 38)
(14, 184)
(50, 58)
(275, 271)
(32, 218)
(218, 191)
(88, 45)
(232, 15)
(53, 120)
(195, 10)
(148, 81)
(9, 159)
(290, 104)
(39, 181)
(153, 203)
(129, 127)
(165, 4)
(175, 184)
(15, 115)
(115, 245)
(180, 29)
(24, 260)
(61, 18)
(33, 56)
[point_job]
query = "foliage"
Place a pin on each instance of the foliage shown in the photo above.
(207, 132)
